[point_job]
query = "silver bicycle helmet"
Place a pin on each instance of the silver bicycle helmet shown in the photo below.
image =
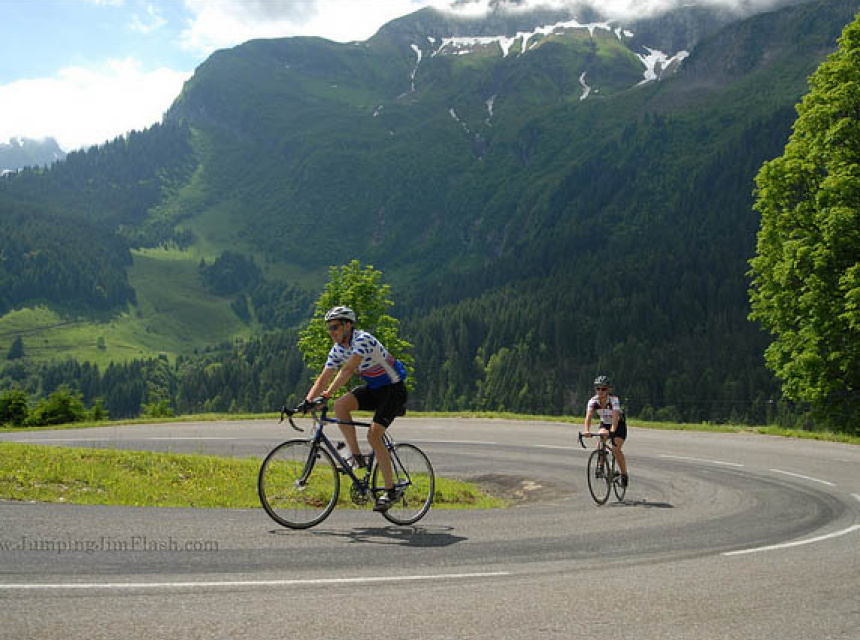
(340, 313)
(602, 381)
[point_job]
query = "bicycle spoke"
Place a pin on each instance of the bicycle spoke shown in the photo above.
(296, 489)
(599, 470)
(414, 481)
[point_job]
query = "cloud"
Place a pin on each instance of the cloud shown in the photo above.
(85, 106)
(612, 9)
(152, 21)
(216, 25)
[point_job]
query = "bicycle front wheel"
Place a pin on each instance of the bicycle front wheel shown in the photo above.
(414, 481)
(599, 475)
(619, 488)
(298, 484)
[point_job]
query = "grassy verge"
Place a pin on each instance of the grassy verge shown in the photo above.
(202, 417)
(145, 479)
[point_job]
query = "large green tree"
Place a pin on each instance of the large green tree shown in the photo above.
(806, 274)
(361, 289)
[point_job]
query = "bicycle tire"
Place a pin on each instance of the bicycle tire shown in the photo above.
(619, 489)
(289, 501)
(599, 483)
(414, 474)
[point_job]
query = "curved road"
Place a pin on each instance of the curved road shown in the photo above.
(721, 536)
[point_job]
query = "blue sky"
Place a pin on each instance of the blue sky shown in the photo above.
(41, 36)
(86, 71)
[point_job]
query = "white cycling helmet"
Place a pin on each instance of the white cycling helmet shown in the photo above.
(340, 313)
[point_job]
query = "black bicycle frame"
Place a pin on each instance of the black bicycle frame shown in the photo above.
(320, 439)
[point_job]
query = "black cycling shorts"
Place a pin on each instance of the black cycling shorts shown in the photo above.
(621, 431)
(386, 402)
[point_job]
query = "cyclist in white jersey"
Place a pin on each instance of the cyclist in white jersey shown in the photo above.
(613, 423)
(384, 391)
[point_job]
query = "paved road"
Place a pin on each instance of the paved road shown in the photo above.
(721, 536)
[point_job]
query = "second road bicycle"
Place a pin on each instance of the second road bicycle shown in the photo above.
(603, 475)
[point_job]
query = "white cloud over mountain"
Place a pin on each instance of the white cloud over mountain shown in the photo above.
(84, 106)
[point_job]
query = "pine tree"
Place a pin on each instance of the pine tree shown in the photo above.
(16, 351)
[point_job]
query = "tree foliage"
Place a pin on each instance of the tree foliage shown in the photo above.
(361, 289)
(14, 407)
(806, 272)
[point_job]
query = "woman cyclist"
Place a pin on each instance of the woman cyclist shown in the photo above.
(613, 424)
(384, 391)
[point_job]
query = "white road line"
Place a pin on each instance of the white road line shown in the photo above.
(720, 462)
(797, 475)
(250, 583)
(189, 438)
(457, 442)
(856, 495)
(40, 440)
(113, 439)
(797, 543)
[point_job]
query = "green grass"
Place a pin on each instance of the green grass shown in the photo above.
(145, 479)
(174, 315)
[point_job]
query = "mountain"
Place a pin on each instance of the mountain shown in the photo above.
(550, 194)
(25, 152)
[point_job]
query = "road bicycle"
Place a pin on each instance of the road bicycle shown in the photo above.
(603, 478)
(299, 481)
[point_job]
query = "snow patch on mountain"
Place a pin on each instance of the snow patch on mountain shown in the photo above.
(420, 54)
(585, 88)
(458, 120)
(490, 102)
(657, 63)
(463, 45)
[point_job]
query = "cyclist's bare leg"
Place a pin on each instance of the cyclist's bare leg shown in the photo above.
(604, 434)
(383, 458)
(343, 408)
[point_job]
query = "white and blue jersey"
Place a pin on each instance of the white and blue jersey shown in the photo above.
(378, 368)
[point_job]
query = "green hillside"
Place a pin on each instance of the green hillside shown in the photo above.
(532, 237)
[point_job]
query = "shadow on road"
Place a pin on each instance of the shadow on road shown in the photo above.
(644, 504)
(401, 536)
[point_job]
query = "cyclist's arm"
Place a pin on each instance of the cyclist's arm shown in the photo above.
(588, 415)
(616, 416)
(320, 384)
(344, 374)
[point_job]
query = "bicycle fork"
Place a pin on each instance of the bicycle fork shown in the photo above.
(302, 480)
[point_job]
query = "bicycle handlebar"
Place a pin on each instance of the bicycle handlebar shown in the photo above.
(582, 435)
(304, 407)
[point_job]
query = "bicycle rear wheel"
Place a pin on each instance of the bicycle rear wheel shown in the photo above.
(599, 475)
(414, 480)
(298, 484)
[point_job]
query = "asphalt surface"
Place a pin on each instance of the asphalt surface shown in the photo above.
(720, 536)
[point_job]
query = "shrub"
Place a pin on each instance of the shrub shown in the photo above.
(14, 407)
(61, 407)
